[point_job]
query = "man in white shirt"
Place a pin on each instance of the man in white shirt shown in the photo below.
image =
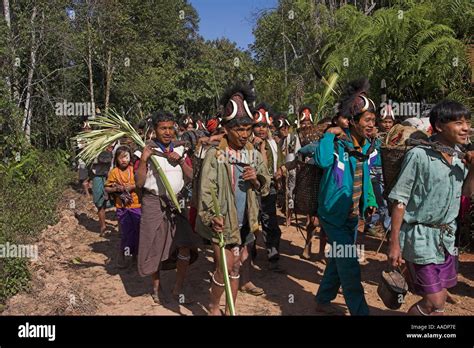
(166, 238)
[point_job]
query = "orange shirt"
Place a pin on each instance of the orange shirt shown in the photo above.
(123, 177)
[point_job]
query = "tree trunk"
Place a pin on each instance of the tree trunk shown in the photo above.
(29, 88)
(12, 80)
(284, 53)
(89, 66)
(6, 11)
(108, 79)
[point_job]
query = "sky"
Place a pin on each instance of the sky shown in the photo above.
(233, 19)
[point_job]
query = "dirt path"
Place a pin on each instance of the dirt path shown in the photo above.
(76, 274)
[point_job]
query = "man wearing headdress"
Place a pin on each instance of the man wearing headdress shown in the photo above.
(273, 158)
(186, 124)
(345, 193)
(200, 126)
(236, 173)
(305, 119)
(380, 221)
(289, 145)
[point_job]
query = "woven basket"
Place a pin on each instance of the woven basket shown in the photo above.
(309, 134)
(392, 158)
(394, 149)
(308, 177)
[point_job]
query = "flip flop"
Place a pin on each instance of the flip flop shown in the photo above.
(255, 291)
(105, 233)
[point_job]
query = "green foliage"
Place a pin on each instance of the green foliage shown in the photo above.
(290, 38)
(326, 100)
(147, 54)
(271, 89)
(417, 46)
(418, 58)
(14, 277)
(29, 192)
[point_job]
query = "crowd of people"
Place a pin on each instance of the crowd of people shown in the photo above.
(248, 160)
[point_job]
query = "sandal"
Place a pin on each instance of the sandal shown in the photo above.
(105, 233)
(252, 290)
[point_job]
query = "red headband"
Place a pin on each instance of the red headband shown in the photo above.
(212, 124)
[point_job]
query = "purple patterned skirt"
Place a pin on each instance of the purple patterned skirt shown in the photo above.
(129, 221)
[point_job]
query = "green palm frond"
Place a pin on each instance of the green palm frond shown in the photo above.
(112, 127)
(445, 44)
(326, 95)
(432, 32)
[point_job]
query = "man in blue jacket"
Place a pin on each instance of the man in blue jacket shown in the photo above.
(345, 194)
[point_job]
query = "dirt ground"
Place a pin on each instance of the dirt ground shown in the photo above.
(76, 274)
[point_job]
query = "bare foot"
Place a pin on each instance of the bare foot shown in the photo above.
(215, 311)
(451, 299)
(156, 298)
(255, 266)
(105, 232)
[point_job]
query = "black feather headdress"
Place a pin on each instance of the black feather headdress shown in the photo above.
(235, 102)
(354, 100)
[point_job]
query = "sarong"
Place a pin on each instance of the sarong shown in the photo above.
(162, 232)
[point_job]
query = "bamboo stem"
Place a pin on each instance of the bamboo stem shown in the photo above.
(228, 290)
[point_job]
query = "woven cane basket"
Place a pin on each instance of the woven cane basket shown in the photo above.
(309, 134)
(394, 149)
(308, 177)
(392, 157)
